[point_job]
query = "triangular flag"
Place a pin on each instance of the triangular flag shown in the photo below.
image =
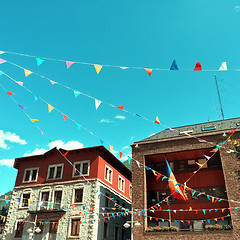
(50, 108)
(120, 154)
(1, 52)
(123, 68)
(200, 165)
(154, 172)
(34, 120)
(1, 72)
(223, 67)
(69, 64)
(65, 154)
(2, 61)
(101, 141)
(111, 147)
(233, 131)
(198, 67)
(10, 93)
(20, 83)
(6, 197)
(158, 176)
(76, 93)
(174, 65)
(97, 103)
(157, 120)
(35, 98)
(39, 60)
(202, 141)
(27, 72)
(149, 71)
(204, 211)
(22, 107)
(98, 68)
(78, 125)
(120, 107)
(207, 157)
(52, 140)
(129, 160)
(138, 163)
(65, 117)
(52, 82)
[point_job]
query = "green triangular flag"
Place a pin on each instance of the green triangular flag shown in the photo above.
(164, 178)
(129, 160)
(52, 140)
(40, 60)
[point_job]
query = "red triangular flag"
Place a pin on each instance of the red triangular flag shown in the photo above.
(65, 117)
(120, 154)
(120, 107)
(10, 93)
(149, 71)
(222, 218)
(65, 154)
(158, 176)
(198, 67)
(233, 131)
(196, 211)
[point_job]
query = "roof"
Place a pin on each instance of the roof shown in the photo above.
(201, 128)
(103, 152)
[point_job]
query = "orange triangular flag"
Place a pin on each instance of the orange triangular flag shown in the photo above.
(10, 93)
(65, 117)
(198, 67)
(34, 120)
(6, 197)
(27, 72)
(98, 68)
(120, 107)
(157, 120)
(149, 71)
(50, 108)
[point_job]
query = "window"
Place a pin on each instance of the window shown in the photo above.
(44, 200)
(55, 171)
(53, 227)
(25, 199)
(116, 233)
(123, 234)
(209, 128)
(78, 195)
(130, 191)
(81, 168)
(108, 174)
(75, 227)
(106, 200)
(19, 230)
(105, 230)
(214, 163)
(121, 184)
(202, 161)
(30, 175)
(57, 199)
(192, 165)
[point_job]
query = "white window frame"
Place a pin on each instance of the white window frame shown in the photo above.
(76, 188)
(21, 200)
(70, 226)
(30, 176)
(107, 179)
(81, 167)
(55, 171)
(120, 179)
(130, 190)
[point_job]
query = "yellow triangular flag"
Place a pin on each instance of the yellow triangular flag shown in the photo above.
(150, 218)
(50, 108)
(111, 147)
(157, 120)
(212, 199)
(200, 165)
(190, 209)
(98, 68)
(154, 172)
(34, 120)
(215, 219)
(27, 72)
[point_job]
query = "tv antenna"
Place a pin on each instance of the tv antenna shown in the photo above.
(219, 98)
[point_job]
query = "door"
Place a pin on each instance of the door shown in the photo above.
(53, 230)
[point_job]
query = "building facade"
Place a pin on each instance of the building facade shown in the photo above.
(212, 185)
(77, 194)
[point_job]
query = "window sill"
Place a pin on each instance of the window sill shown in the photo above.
(52, 179)
(107, 181)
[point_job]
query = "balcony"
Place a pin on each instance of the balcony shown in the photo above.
(47, 207)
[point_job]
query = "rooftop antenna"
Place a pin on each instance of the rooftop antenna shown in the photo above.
(219, 97)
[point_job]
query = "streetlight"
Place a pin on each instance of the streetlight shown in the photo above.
(127, 224)
(31, 231)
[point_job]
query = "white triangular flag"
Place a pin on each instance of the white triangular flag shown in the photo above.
(97, 103)
(223, 67)
(1, 52)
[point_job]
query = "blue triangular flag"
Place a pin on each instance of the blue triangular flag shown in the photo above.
(145, 216)
(174, 65)
(138, 115)
(101, 141)
(40, 60)
(143, 211)
(35, 98)
(1, 73)
(78, 125)
(76, 93)
(148, 168)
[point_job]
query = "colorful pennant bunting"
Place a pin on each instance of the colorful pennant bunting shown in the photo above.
(2, 61)
(198, 67)
(40, 60)
(149, 71)
(10, 93)
(52, 82)
(120, 107)
(76, 93)
(65, 117)
(97, 103)
(111, 148)
(98, 68)
(34, 120)
(174, 65)
(223, 67)
(50, 108)
(157, 120)
(27, 72)
(120, 154)
(69, 64)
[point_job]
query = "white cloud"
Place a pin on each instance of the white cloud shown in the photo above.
(120, 117)
(131, 138)
(237, 8)
(125, 157)
(7, 162)
(37, 151)
(11, 137)
(105, 121)
(126, 147)
(70, 145)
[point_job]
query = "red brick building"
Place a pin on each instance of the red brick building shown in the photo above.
(213, 192)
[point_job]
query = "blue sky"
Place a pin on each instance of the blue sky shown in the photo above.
(147, 34)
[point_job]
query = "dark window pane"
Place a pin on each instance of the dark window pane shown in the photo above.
(214, 163)
(116, 233)
(106, 200)
(59, 172)
(27, 176)
(75, 227)
(78, 195)
(51, 173)
(34, 174)
(85, 168)
(57, 199)
(105, 230)
(19, 230)
(25, 200)
(77, 170)
(44, 199)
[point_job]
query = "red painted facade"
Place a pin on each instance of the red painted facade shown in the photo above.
(98, 157)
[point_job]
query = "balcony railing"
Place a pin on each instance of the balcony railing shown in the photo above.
(47, 207)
